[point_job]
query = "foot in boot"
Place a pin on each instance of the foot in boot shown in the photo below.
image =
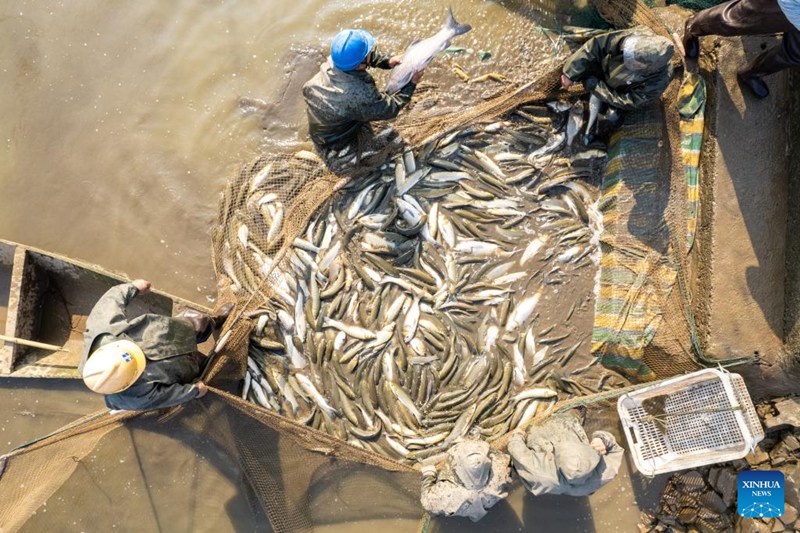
(201, 322)
(755, 84)
(222, 315)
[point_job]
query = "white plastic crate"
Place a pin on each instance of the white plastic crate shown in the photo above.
(689, 421)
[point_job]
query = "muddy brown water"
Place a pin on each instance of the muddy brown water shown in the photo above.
(121, 124)
(138, 480)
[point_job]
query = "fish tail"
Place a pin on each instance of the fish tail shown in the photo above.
(452, 24)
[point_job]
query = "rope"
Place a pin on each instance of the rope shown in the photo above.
(425, 523)
(79, 423)
(699, 353)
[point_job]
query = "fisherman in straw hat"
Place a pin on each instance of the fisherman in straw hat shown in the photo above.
(147, 362)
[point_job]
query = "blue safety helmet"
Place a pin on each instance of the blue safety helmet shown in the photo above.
(350, 47)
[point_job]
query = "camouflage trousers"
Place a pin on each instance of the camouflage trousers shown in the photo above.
(363, 154)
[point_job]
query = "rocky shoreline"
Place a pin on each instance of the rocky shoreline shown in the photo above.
(704, 500)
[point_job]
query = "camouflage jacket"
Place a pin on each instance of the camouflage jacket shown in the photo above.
(339, 102)
(601, 57)
(168, 344)
(535, 462)
(163, 384)
(443, 493)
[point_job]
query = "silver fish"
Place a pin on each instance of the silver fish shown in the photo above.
(574, 122)
(315, 395)
(538, 393)
(594, 108)
(553, 143)
(411, 320)
(519, 366)
(420, 53)
(522, 312)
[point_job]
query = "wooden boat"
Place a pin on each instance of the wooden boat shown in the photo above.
(44, 301)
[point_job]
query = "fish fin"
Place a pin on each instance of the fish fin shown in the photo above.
(452, 24)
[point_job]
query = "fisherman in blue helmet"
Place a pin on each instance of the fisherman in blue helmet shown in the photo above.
(342, 100)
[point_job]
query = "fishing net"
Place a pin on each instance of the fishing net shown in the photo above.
(280, 472)
(275, 214)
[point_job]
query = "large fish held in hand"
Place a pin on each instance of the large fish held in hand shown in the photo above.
(420, 53)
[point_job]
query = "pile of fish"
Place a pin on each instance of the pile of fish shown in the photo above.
(419, 305)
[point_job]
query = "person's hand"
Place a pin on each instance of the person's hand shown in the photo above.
(566, 82)
(518, 431)
(417, 76)
(395, 60)
(202, 389)
(599, 445)
(142, 285)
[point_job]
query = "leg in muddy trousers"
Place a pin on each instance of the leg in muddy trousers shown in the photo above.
(748, 17)
(365, 153)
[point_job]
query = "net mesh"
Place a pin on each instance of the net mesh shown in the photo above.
(282, 472)
(276, 199)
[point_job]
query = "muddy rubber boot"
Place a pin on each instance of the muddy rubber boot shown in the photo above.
(784, 55)
(222, 315)
(755, 84)
(203, 324)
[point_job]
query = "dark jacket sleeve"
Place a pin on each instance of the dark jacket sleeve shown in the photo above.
(152, 395)
(612, 458)
(110, 308)
(380, 60)
(384, 106)
(107, 315)
(587, 59)
(634, 98)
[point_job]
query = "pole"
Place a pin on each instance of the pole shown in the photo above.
(33, 344)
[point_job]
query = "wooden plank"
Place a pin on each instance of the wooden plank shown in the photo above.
(8, 255)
